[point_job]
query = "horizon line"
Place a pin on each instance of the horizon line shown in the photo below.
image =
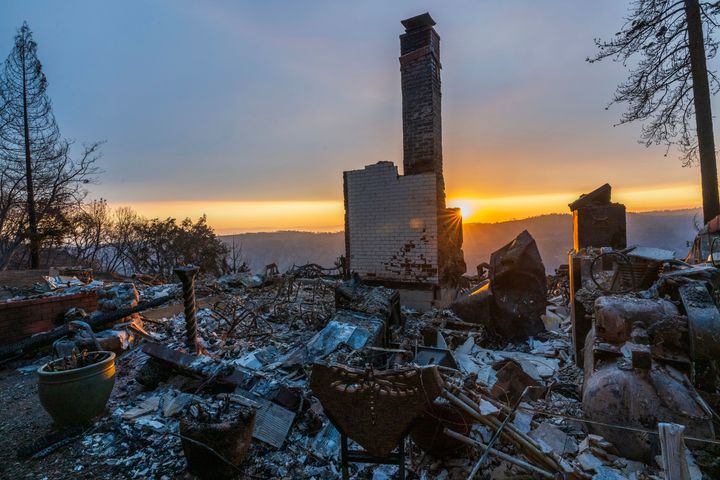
(339, 229)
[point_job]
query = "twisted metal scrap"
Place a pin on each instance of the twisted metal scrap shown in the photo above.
(187, 278)
(245, 318)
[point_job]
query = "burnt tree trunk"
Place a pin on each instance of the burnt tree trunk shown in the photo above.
(32, 217)
(703, 113)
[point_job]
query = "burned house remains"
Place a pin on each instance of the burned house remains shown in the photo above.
(606, 369)
(398, 230)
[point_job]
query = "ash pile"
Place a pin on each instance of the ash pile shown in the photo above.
(605, 370)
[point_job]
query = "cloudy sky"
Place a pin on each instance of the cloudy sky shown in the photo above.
(250, 111)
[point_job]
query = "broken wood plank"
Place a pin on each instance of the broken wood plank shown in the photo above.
(188, 365)
(673, 451)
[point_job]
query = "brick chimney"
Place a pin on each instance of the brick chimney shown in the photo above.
(420, 73)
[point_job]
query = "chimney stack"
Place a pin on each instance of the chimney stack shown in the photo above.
(420, 76)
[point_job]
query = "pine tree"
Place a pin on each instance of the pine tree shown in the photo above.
(31, 145)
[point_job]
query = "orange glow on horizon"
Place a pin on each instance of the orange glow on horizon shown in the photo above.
(328, 215)
(228, 217)
(516, 207)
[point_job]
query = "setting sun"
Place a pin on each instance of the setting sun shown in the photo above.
(465, 210)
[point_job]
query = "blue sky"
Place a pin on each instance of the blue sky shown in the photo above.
(240, 102)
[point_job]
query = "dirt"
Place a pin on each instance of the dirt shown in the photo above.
(23, 422)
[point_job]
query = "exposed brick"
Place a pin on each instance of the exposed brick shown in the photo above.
(23, 318)
(390, 233)
(397, 228)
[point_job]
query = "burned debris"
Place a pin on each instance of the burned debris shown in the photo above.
(598, 221)
(398, 230)
(391, 364)
(339, 375)
(512, 300)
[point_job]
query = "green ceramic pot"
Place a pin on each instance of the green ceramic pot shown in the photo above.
(77, 395)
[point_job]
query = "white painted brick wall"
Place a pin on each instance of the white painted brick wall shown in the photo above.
(392, 224)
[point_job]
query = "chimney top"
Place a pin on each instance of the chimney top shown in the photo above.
(420, 21)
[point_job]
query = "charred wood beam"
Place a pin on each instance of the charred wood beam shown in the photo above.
(185, 364)
(672, 448)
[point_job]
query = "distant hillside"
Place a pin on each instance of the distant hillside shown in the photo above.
(286, 248)
(664, 229)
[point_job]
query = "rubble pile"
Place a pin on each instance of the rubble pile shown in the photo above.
(291, 371)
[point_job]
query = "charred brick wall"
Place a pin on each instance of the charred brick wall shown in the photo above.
(421, 100)
(27, 317)
(397, 229)
(391, 225)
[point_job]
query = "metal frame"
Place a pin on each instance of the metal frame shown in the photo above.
(361, 456)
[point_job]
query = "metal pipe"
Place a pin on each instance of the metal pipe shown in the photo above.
(494, 438)
(519, 440)
(187, 278)
(499, 454)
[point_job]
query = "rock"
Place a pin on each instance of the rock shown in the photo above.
(384, 472)
(173, 405)
(606, 473)
(589, 462)
(593, 441)
(523, 420)
(149, 405)
(150, 423)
